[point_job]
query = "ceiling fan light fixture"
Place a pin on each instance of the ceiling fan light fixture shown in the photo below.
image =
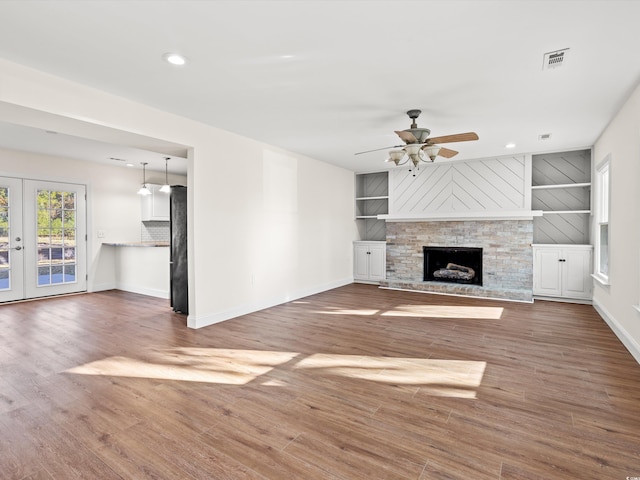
(419, 147)
(413, 149)
(396, 156)
(431, 151)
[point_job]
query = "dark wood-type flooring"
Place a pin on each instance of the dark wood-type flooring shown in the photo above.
(354, 383)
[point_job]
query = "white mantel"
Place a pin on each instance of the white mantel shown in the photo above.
(462, 216)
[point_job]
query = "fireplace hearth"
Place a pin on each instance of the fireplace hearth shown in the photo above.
(453, 264)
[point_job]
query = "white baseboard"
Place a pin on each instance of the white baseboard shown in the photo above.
(627, 340)
(101, 287)
(213, 318)
(152, 292)
(582, 301)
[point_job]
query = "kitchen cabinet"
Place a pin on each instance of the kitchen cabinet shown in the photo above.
(369, 259)
(562, 271)
(155, 207)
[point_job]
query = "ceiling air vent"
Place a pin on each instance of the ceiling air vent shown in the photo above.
(544, 136)
(554, 59)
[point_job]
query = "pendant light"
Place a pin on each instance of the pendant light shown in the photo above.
(144, 190)
(166, 188)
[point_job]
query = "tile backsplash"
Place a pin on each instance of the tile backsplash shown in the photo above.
(155, 232)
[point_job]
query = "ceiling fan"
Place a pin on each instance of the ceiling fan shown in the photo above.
(419, 147)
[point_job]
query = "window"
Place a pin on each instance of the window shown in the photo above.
(603, 195)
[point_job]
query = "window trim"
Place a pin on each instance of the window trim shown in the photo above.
(602, 217)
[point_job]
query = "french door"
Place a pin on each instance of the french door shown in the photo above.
(42, 238)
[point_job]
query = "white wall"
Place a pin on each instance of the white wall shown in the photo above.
(247, 248)
(112, 203)
(616, 302)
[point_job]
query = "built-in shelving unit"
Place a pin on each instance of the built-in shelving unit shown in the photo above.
(561, 188)
(372, 199)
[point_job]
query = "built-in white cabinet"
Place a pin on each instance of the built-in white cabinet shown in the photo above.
(562, 271)
(155, 207)
(372, 199)
(369, 261)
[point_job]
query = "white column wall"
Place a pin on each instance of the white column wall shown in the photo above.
(236, 265)
(616, 302)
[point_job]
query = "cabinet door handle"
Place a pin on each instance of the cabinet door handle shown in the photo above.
(562, 260)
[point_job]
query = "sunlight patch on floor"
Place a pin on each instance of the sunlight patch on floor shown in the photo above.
(452, 378)
(444, 311)
(359, 311)
(457, 378)
(223, 366)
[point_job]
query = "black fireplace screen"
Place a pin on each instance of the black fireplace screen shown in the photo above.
(453, 264)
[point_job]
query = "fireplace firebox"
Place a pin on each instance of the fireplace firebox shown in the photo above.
(453, 264)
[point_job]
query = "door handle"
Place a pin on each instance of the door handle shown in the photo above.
(17, 248)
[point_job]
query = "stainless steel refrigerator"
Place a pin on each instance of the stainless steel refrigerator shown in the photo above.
(178, 257)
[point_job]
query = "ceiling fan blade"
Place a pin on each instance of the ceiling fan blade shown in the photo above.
(447, 152)
(458, 137)
(378, 149)
(407, 137)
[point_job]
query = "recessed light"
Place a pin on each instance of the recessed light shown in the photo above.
(129, 164)
(510, 145)
(174, 59)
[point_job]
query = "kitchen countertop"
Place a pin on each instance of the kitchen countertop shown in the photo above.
(137, 244)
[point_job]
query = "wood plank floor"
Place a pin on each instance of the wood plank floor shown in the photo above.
(354, 383)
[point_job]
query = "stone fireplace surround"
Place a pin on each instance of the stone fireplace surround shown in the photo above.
(507, 256)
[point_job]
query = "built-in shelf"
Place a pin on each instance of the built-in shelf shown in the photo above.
(563, 185)
(561, 189)
(564, 212)
(384, 197)
(460, 216)
(372, 200)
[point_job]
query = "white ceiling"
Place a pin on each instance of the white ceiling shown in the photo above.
(331, 78)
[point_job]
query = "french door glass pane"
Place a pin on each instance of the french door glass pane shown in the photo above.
(44, 276)
(56, 237)
(5, 265)
(70, 255)
(69, 273)
(4, 278)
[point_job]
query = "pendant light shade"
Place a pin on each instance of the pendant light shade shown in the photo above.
(166, 188)
(144, 190)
